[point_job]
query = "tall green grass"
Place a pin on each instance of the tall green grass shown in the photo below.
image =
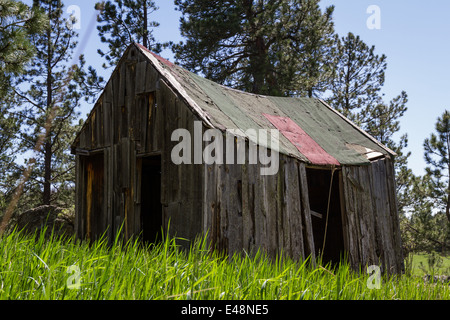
(32, 267)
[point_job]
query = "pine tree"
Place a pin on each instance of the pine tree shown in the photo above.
(49, 96)
(266, 47)
(437, 156)
(358, 78)
(17, 22)
(9, 130)
(123, 22)
(382, 120)
(424, 229)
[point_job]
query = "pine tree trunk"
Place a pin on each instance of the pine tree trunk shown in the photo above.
(48, 146)
(259, 65)
(447, 209)
(145, 35)
(257, 51)
(47, 173)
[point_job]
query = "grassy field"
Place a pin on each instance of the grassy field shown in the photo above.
(421, 265)
(35, 268)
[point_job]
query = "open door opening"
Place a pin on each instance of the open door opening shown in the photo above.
(151, 208)
(95, 225)
(331, 231)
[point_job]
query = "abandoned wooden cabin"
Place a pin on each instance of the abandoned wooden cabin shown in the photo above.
(333, 192)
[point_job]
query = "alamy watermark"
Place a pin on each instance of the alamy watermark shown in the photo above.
(374, 280)
(263, 146)
(374, 20)
(74, 280)
(74, 21)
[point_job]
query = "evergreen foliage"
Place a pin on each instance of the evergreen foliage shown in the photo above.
(123, 22)
(437, 156)
(276, 48)
(17, 22)
(48, 96)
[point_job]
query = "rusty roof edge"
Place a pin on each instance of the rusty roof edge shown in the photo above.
(392, 153)
(177, 86)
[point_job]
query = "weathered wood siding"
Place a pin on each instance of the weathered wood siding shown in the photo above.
(243, 209)
(370, 220)
(181, 184)
(134, 118)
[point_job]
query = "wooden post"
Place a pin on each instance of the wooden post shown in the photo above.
(306, 214)
(90, 179)
(344, 218)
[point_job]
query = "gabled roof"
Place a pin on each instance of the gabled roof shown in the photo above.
(310, 129)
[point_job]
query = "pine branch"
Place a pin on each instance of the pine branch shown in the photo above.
(442, 244)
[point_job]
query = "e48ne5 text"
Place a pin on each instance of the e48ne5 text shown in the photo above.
(242, 309)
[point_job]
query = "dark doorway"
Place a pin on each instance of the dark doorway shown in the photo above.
(95, 219)
(319, 191)
(151, 208)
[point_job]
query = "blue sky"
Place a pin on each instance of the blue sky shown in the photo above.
(414, 35)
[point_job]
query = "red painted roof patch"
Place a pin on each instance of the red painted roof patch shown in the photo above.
(302, 141)
(160, 59)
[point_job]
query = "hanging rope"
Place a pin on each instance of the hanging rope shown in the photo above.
(333, 169)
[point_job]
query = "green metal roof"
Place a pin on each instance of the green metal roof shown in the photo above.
(226, 108)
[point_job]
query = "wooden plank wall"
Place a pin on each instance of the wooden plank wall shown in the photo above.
(80, 192)
(244, 210)
(134, 118)
(182, 188)
(371, 226)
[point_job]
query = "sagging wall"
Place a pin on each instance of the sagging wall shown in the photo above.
(243, 209)
(370, 220)
(134, 119)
